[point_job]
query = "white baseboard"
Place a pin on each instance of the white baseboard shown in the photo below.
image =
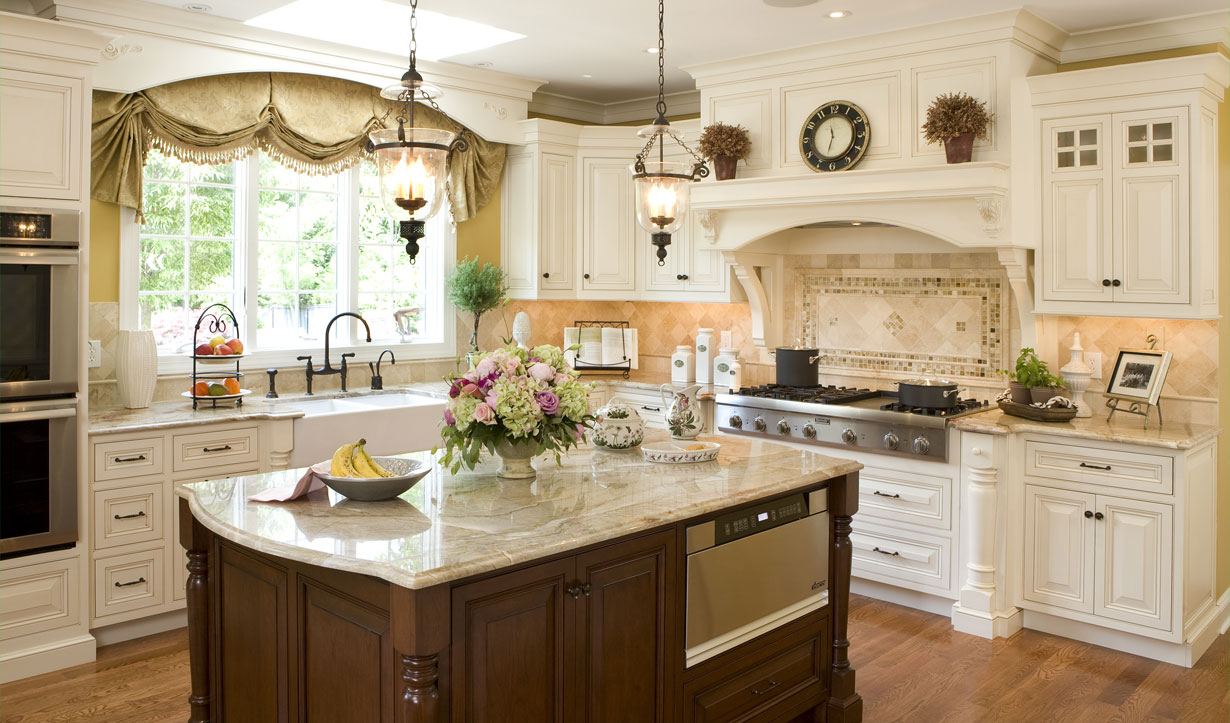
(140, 627)
(47, 657)
(902, 596)
(1182, 654)
(1002, 624)
(1223, 607)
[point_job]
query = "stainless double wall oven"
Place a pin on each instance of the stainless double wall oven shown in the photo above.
(39, 350)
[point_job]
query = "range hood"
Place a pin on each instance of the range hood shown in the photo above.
(965, 205)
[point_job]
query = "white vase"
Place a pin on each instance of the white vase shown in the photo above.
(516, 460)
(136, 367)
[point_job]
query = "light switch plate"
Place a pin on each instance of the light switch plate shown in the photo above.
(93, 354)
(1094, 360)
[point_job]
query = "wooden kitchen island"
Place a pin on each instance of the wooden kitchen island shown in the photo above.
(476, 599)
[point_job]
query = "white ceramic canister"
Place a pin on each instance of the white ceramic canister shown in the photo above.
(136, 367)
(704, 356)
(617, 426)
(683, 365)
(725, 367)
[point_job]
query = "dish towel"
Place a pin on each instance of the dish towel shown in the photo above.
(309, 482)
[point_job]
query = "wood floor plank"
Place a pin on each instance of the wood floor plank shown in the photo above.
(912, 668)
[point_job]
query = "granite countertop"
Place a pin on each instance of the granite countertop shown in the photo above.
(166, 415)
(1125, 429)
(449, 527)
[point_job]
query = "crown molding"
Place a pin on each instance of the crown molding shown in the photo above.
(636, 109)
(35, 36)
(1182, 32)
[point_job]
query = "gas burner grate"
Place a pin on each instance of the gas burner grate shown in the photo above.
(962, 406)
(824, 394)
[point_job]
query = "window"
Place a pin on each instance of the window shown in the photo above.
(286, 251)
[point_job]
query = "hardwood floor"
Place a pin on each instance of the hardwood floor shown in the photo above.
(912, 667)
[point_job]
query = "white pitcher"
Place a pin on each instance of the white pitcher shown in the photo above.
(683, 417)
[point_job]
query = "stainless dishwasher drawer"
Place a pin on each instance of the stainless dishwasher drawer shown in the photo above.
(741, 589)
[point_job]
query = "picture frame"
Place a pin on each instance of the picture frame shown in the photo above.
(1138, 375)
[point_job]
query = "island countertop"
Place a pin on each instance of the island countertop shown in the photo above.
(449, 527)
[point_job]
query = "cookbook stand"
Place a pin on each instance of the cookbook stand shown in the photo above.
(623, 367)
(214, 322)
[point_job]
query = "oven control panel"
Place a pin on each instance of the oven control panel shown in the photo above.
(759, 518)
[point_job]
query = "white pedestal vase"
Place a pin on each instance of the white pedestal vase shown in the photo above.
(516, 460)
(136, 367)
(1076, 373)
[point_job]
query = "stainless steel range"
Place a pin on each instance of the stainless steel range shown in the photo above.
(866, 419)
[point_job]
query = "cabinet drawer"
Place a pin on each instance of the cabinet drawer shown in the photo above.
(215, 449)
(127, 458)
(648, 405)
(1092, 465)
(901, 559)
(905, 497)
(792, 669)
(127, 515)
(128, 582)
(38, 597)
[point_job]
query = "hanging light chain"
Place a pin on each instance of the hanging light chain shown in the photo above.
(414, 26)
(661, 58)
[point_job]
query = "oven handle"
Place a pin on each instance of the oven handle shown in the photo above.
(39, 256)
(38, 414)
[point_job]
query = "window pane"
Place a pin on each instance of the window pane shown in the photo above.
(369, 179)
(317, 216)
(1065, 139)
(214, 174)
(226, 326)
(1138, 133)
(276, 266)
(212, 266)
(1162, 152)
(381, 312)
(277, 319)
(162, 265)
(1089, 158)
(1089, 136)
(164, 208)
(375, 266)
(1067, 159)
(213, 212)
(315, 311)
(1138, 154)
(168, 318)
(278, 215)
(1162, 131)
(163, 167)
(275, 174)
(374, 224)
(317, 266)
(318, 183)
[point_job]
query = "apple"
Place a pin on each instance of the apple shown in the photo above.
(235, 345)
(217, 340)
(223, 350)
(204, 350)
(217, 390)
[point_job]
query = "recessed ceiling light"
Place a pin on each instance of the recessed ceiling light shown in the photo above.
(483, 64)
(587, 75)
(382, 25)
(838, 14)
(789, 3)
(199, 7)
(856, 223)
(653, 50)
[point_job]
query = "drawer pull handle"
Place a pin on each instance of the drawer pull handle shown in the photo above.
(121, 460)
(894, 553)
(652, 409)
(772, 684)
(1104, 468)
(138, 581)
(223, 448)
(894, 496)
(129, 517)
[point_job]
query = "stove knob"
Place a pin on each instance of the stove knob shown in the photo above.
(783, 427)
(891, 441)
(735, 421)
(758, 424)
(848, 436)
(922, 445)
(809, 431)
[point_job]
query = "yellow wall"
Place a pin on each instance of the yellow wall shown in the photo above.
(1223, 326)
(480, 236)
(104, 251)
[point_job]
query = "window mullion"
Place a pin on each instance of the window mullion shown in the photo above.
(348, 245)
(249, 183)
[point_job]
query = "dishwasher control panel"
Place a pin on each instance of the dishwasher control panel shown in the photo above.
(759, 518)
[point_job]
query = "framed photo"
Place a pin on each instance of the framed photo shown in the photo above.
(1138, 375)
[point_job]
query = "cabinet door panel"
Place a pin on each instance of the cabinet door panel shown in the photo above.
(519, 248)
(1134, 561)
(41, 145)
(252, 681)
(1076, 243)
(336, 634)
(1150, 226)
(622, 630)
(557, 227)
(508, 653)
(1058, 548)
(610, 227)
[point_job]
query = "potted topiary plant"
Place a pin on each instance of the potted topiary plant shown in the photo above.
(955, 119)
(725, 145)
(476, 290)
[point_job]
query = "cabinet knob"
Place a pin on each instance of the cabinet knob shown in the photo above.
(574, 591)
(546, 275)
(1088, 514)
(1105, 282)
(684, 277)
(1098, 515)
(1116, 282)
(587, 276)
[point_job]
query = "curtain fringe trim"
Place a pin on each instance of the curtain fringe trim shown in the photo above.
(222, 156)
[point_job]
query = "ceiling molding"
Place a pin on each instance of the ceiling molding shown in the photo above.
(638, 109)
(1204, 29)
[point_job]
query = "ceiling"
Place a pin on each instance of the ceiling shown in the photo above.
(608, 40)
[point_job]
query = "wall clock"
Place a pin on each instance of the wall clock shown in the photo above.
(835, 136)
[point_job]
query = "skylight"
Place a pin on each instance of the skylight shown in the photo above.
(382, 25)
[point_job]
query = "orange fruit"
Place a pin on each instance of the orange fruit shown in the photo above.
(232, 385)
(201, 389)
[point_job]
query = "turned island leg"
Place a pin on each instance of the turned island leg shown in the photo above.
(845, 705)
(195, 541)
(420, 627)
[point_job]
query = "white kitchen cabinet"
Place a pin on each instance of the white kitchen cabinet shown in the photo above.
(538, 223)
(40, 150)
(611, 233)
(1059, 548)
(1129, 195)
(689, 267)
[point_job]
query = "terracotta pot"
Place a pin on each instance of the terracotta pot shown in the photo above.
(1020, 393)
(724, 167)
(1042, 395)
(959, 149)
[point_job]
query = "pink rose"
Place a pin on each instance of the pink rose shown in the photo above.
(542, 372)
(485, 368)
(484, 414)
(492, 398)
(560, 378)
(547, 401)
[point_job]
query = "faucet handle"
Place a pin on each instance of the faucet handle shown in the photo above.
(347, 354)
(307, 358)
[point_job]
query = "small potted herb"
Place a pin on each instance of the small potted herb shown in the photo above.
(1031, 380)
(477, 290)
(725, 145)
(955, 119)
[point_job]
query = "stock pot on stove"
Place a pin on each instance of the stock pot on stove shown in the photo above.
(798, 366)
(928, 392)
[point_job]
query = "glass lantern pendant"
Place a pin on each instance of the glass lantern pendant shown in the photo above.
(413, 162)
(662, 186)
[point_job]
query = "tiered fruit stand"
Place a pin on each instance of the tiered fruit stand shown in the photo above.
(215, 323)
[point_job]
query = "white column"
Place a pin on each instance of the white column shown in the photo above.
(981, 608)
(279, 440)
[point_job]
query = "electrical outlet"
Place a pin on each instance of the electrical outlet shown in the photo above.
(93, 353)
(1094, 360)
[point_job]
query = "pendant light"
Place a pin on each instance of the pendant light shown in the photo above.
(413, 162)
(661, 185)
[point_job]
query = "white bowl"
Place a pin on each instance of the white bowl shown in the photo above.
(678, 452)
(406, 472)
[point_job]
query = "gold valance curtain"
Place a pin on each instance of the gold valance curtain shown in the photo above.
(311, 123)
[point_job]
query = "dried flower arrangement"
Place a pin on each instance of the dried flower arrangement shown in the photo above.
(953, 114)
(723, 139)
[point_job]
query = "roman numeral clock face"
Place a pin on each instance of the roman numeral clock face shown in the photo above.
(835, 136)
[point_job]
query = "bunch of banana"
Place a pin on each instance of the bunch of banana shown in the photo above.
(352, 460)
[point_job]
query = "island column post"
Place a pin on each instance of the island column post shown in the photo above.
(196, 541)
(421, 629)
(844, 705)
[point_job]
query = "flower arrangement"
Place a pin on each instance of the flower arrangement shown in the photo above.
(954, 114)
(518, 396)
(723, 139)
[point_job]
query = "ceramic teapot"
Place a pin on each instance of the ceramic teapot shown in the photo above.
(617, 426)
(683, 417)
